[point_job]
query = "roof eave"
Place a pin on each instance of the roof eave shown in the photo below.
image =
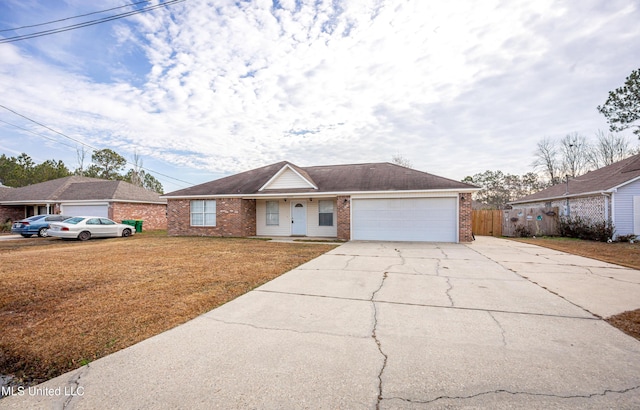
(322, 194)
(551, 198)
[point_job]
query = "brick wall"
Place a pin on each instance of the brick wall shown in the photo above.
(465, 218)
(154, 216)
(234, 217)
(344, 217)
(14, 213)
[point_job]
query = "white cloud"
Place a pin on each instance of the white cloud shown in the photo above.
(456, 87)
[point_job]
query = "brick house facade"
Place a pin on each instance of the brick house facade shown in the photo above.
(373, 201)
(154, 216)
(235, 217)
(76, 195)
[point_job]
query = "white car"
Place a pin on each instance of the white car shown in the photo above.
(87, 227)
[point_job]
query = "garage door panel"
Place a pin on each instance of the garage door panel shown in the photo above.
(86, 210)
(405, 219)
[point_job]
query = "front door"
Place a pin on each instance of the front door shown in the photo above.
(298, 218)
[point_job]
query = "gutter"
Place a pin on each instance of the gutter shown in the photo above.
(322, 194)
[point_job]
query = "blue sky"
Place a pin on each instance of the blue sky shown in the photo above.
(203, 89)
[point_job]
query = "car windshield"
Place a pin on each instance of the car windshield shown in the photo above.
(73, 220)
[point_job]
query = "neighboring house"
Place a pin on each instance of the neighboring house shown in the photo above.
(611, 193)
(377, 201)
(76, 195)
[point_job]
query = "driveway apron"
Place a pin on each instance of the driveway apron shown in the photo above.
(492, 324)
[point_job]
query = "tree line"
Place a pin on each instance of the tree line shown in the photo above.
(105, 164)
(555, 161)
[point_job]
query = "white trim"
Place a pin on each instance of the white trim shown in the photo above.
(624, 183)
(282, 170)
(293, 195)
(613, 208)
(551, 198)
(84, 201)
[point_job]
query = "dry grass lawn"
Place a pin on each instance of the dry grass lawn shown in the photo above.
(66, 303)
(622, 253)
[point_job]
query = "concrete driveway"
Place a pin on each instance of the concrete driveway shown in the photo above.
(492, 324)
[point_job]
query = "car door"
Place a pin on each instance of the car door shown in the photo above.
(110, 227)
(96, 228)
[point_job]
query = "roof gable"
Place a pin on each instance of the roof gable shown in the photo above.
(289, 178)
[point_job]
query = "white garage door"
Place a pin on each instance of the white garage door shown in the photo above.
(85, 210)
(406, 219)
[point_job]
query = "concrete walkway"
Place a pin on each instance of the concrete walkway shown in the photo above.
(388, 325)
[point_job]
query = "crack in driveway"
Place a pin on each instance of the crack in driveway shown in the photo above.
(374, 335)
(76, 390)
(502, 331)
(524, 393)
(227, 322)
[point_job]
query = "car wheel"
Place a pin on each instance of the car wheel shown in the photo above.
(126, 233)
(26, 235)
(84, 235)
(42, 232)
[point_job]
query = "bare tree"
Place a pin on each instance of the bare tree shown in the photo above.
(547, 160)
(398, 159)
(609, 148)
(136, 174)
(81, 153)
(574, 151)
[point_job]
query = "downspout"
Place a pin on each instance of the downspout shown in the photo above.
(568, 213)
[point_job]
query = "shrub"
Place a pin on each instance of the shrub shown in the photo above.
(522, 231)
(6, 226)
(626, 238)
(580, 228)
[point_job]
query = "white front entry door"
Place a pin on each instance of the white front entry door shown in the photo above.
(298, 218)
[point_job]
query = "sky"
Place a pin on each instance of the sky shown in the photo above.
(202, 89)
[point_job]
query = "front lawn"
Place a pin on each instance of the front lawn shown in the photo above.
(66, 303)
(621, 253)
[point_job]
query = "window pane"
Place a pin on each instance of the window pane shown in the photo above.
(210, 206)
(210, 219)
(326, 220)
(273, 213)
(197, 206)
(197, 219)
(325, 206)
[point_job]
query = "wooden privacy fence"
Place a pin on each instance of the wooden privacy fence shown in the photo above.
(535, 221)
(486, 222)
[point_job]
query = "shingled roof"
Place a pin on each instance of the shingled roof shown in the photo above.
(77, 188)
(329, 178)
(594, 182)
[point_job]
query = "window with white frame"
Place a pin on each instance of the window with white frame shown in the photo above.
(203, 213)
(325, 213)
(273, 213)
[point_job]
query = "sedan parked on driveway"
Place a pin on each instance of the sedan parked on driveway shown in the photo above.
(36, 225)
(87, 227)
